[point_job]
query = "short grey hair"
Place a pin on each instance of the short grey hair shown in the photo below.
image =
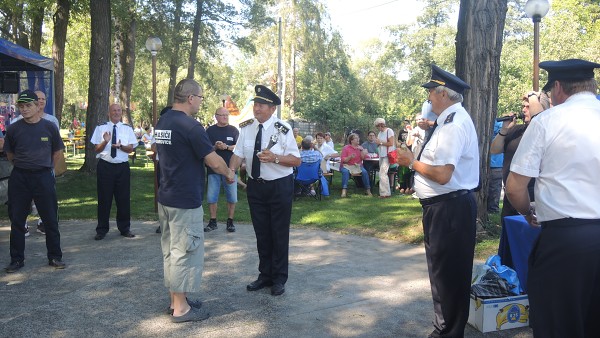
(379, 121)
(452, 95)
(184, 89)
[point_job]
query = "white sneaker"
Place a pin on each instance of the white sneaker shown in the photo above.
(26, 230)
(313, 192)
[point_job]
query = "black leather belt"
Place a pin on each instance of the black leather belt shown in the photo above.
(258, 180)
(568, 222)
(113, 163)
(443, 197)
(263, 181)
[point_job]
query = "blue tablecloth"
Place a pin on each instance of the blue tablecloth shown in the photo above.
(521, 237)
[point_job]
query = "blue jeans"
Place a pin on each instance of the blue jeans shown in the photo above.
(346, 177)
(214, 187)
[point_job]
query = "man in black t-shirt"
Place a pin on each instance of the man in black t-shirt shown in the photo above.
(184, 148)
(224, 137)
(32, 144)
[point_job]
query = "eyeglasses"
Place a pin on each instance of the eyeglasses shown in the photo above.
(198, 96)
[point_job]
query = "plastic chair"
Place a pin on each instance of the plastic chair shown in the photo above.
(307, 174)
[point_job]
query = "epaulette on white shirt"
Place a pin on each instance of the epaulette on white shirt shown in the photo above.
(283, 128)
(246, 123)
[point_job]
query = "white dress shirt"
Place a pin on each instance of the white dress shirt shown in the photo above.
(124, 133)
(286, 145)
(454, 142)
(561, 149)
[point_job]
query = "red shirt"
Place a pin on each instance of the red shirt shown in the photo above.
(349, 150)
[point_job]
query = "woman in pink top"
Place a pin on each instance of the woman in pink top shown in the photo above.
(352, 162)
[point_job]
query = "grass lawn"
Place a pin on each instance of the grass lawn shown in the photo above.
(396, 218)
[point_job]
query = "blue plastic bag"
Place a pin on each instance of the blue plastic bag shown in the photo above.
(505, 272)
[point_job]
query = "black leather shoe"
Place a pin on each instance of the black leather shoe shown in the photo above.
(56, 263)
(99, 236)
(128, 234)
(277, 289)
(14, 266)
(258, 284)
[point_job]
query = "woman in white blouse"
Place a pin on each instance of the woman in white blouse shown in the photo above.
(385, 140)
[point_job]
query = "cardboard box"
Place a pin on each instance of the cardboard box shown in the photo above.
(497, 314)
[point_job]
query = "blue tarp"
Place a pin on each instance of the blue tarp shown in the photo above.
(35, 72)
(16, 58)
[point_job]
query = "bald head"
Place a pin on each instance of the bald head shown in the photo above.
(41, 101)
(115, 113)
(187, 96)
(222, 116)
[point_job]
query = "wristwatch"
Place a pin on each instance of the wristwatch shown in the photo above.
(410, 165)
(276, 159)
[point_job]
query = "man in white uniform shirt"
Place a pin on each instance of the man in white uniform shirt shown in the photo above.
(113, 141)
(270, 188)
(446, 172)
(563, 156)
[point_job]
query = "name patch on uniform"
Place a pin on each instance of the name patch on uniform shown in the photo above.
(162, 136)
(44, 138)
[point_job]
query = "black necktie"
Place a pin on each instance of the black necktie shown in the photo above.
(113, 150)
(255, 160)
(427, 140)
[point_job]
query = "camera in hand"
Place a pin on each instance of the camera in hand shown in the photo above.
(510, 117)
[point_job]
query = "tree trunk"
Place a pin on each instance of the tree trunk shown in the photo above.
(128, 64)
(174, 62)
(195, 39)
(99, 83)
(293, 79)
(118, 50)
(37, 20)
(478, 49)
(61, 23)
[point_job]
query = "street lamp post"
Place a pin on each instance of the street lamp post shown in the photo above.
(153, 44)
(536, 10)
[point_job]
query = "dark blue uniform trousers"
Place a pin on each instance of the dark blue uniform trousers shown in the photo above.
(271, 211)
(449, 228)
(23, 186)
(564, 279)
(113, 180)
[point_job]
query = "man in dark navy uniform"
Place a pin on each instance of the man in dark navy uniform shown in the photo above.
(113, 141)
(32, 144)
(270, 150)
(446, 172)
(563, 156)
